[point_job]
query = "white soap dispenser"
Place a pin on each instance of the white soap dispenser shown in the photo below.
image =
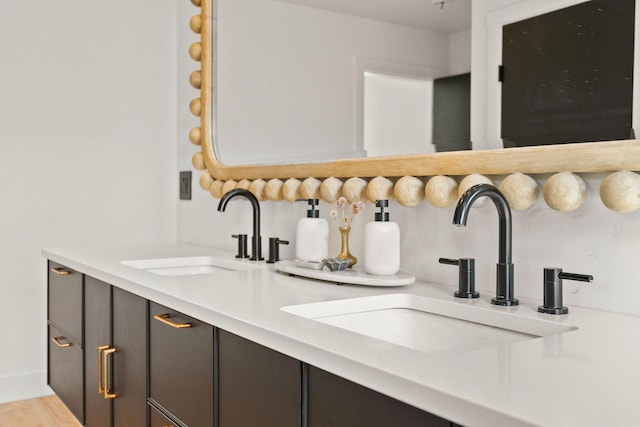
(312, 235)
(382, 243)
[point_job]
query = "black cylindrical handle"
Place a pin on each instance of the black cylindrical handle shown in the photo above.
(274, 249)
(577, 277)
(466, 276)
(242, 245)
(552, 289)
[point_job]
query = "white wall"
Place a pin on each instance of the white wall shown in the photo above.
(591, 240)
(87, 150)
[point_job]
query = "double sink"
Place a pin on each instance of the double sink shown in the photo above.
(429, 325)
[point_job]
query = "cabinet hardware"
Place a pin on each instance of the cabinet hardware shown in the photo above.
(164, 318)
(100, 368)
(274, 249)
(466, 276)
(60, 271)
(553, 289)
(60, 344)
(105, 373)
(242, 245)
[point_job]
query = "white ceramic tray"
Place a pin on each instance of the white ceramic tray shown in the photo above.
(351, 276)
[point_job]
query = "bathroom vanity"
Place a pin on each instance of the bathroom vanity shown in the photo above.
(136, 334)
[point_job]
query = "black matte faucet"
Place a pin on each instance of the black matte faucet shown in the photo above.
(256, 240)
(504, 270)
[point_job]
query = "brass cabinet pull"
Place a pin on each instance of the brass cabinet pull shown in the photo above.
(164, 318)
(105, 373)
(100, 368)
(60, 271)
(60, 344)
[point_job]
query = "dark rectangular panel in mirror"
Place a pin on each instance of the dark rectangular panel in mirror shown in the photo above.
(452, 113)
(568, 75)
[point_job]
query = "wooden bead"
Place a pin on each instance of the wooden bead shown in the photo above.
(441, 191)
(471, 180)
(196, 3)
(521, 191)
(380, 188)
(195, 136)
(228, 186)
(195, 106)
(198, 161)
(196, 24)
(216, 189)
(331, 189)
(409, 191)
(243, 184)
(195, 51)
(291, 190)
(310, 188)
(565, 192)
(205, 180)
(355, 190)
(257, 188)
(195, 79)
(620, 191)
(273, 189)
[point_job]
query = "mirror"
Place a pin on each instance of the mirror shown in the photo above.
(321, 80)
(587, 157)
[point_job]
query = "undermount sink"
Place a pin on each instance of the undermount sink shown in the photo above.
(426, 324)
(186, 266)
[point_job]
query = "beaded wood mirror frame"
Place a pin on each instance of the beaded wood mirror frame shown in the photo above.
(439, 178)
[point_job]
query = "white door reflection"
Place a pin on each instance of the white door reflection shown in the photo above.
(398, 115)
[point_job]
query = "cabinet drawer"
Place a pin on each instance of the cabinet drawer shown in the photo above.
(65, 301)
(257, 386)
(337, 402)
(65, 371)
(181, 365)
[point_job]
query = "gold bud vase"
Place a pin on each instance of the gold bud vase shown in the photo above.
(344, 250)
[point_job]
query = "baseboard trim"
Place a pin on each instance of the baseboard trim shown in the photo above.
(24, 386)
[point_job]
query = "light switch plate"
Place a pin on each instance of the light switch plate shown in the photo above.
(185, 185)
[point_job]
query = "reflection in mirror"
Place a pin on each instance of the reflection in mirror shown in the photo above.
(291, 81)
(413, 170)
(574, 91)
(535, 112)
(397, 115)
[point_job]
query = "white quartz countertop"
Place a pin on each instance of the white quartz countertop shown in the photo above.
(586, 377)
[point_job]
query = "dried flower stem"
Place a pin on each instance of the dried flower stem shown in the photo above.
(341, 204)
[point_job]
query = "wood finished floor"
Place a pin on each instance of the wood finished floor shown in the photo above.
(46, 411)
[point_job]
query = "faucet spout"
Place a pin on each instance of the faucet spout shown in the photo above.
(256, 239)
(504, 271)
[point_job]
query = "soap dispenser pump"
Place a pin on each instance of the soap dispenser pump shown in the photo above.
(382, 243)
(312, 235)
